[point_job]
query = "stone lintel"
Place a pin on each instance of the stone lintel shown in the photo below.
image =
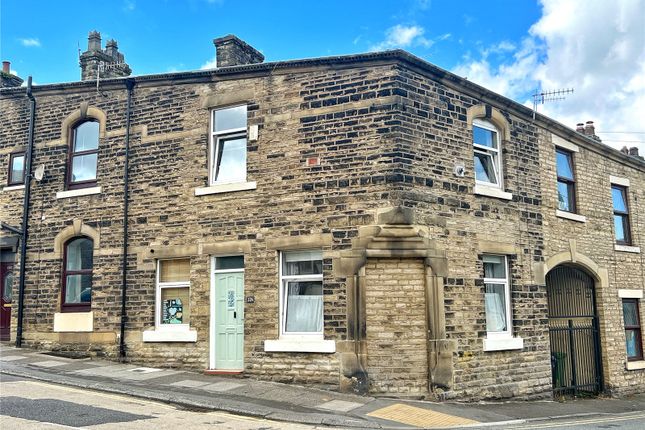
(160, 251)
(227, 248)
(299, 242)
(493, 247)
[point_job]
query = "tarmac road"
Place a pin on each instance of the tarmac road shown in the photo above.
(30, 405)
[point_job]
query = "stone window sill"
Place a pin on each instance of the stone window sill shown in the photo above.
(300, 345)
(626, 248)
(225, 188)
(635, 365)
(13, 188)
(497, 193)
(78, 193)
(503, 344)
(161, 335)
(571, 216)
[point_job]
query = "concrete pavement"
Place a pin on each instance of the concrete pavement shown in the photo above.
(286, 402)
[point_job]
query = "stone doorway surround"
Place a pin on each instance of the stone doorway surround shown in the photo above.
(395, 235)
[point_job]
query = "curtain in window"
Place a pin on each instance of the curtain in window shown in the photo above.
(304, 307)
(495, 308)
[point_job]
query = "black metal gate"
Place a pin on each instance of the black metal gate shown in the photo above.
(573, 331)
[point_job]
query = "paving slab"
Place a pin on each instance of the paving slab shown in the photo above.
(189, 383)
(12, 358)
(340, 406)
(222, 386)
(48, 363)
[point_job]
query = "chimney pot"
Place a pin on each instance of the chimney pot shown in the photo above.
(232, 51)
(580, 128)
(6, 66)
(590, 130)
(633, 151)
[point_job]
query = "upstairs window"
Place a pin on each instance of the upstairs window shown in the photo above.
(77, 275)
(486, 141)
(621, 215)
(84, 156)
(566, 181)
(301, 294)
(228, 145)
(16, 169)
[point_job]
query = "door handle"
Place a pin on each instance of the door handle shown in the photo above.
(234, 314)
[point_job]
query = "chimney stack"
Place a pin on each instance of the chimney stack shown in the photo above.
(7, 80)
(590, 130)
(110, 57)
(94, 41)
(580, 128)
(232, 51)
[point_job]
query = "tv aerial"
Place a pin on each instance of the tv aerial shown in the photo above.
(549, 96)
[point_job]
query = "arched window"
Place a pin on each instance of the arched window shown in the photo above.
(77, 275)
(487, 149)
(81, 171)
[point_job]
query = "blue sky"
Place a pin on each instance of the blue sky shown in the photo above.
(512, 47)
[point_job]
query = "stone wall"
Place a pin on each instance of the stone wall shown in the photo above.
(382, 134)
(594, 238)
(397, 355)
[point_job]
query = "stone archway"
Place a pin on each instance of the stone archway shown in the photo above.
(574, 336)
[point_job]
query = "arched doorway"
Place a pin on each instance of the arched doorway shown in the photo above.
(573, 332)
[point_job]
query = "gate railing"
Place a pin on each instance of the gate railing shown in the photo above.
(575, 355)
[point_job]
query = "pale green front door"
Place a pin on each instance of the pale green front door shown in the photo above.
(229, 321)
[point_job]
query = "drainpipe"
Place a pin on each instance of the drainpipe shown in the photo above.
(129, 83)
(25, 213)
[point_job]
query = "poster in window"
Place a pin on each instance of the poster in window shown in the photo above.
(172, 312)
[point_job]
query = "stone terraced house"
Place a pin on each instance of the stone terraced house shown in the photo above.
(369, 223)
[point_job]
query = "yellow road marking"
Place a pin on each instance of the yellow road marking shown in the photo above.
(419, 417)
(579, 422)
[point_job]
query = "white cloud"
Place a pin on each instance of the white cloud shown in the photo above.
(210, 64)
(129, 5)
(402, 36)
(595, 47)
(30, 42)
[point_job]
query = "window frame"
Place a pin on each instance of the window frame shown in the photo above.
(12, 157)
(623, 214)
(75, 307)
(163, 285)
(508, 333)
(75, 185)
(223, 135)
(495, 153)
(284, 280)
(570, 183)
(636, 328)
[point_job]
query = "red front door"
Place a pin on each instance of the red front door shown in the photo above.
(6, 284)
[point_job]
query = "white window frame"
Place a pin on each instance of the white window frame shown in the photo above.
(507, 301)
(163, 285)
(283, 292)
(216, 136)
(495, 154)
